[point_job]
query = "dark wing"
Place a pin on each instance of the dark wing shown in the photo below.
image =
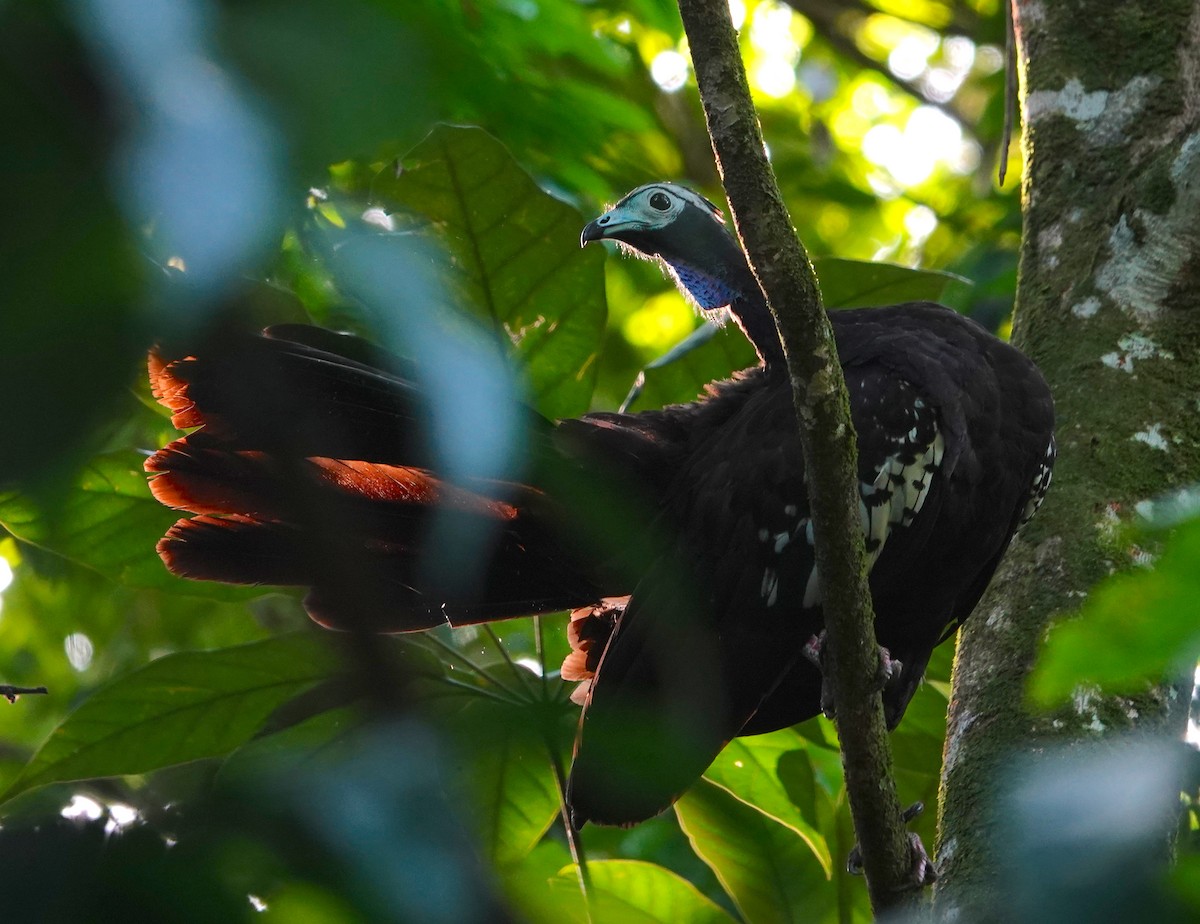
(710, 645)
(995, 417)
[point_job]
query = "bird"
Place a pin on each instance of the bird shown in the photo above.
(694, 623)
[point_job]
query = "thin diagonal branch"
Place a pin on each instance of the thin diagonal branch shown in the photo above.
(1010, 87)
(827, 434)
(826, 20)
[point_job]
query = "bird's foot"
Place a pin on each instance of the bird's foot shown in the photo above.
(889, 669)
(922, 872)
(814, 650)
(887, 674)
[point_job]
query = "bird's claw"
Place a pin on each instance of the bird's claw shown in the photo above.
(889, 668)
(814, 651)
(922, 872)
(888, 671)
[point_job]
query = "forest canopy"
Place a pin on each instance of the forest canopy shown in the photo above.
(419, 173)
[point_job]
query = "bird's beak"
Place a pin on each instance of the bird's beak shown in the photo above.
(609, 225)
(594, 230)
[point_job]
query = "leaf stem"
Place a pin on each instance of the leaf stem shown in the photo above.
(482, 691)
(518, 672)
(481, 671)
(574, 843)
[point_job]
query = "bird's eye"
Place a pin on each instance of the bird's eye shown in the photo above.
(660, 201)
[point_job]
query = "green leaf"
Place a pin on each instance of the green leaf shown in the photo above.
(296, 743)
(864, 284)
(110, 522)
(767, 868)
(179, 708)
(517, 260)
(748, 768)
(503, 769)
(683, 379)
(1135, 628)
(293, 49)
(636, 892)
(534, 888)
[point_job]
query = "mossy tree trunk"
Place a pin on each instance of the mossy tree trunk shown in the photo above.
(1108, 304)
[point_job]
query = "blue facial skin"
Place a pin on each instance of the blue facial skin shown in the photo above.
(709, 293)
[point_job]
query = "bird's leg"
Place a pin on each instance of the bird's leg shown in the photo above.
(887, 674)
(922, 872)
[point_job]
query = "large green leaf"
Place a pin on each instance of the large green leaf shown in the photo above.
(864, 284)
(766, 867)
(1135, 627)
(504, 771)
(684, 378)
(749, 769)
(179, 708)
(305, 742)
(291, 49)
(109, 522)
(635, 892)
(517, 261)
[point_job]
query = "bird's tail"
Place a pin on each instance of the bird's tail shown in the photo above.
(309, 466)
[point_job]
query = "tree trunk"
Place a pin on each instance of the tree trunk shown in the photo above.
(1107, 306)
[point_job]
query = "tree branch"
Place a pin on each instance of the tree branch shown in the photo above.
(783, 270)
(10, 693)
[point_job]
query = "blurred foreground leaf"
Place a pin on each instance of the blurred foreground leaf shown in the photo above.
(1136, 627)
(69, 312)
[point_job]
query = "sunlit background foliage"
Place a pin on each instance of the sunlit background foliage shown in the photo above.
(175, 162)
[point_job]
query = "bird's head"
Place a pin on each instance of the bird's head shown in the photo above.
(688, 234)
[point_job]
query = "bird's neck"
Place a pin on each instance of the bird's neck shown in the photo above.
(728, 281)
(757, 323)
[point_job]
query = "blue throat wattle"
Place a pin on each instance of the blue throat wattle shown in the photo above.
(707, 291)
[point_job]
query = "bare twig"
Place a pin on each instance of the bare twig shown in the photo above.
(963, 21)
(830, 447)
(1010, 87)
(11, 693)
